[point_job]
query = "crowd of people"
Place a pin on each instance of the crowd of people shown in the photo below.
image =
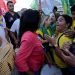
(51, 42)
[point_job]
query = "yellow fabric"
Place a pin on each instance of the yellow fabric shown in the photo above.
(48, 32)
(6, 60)
(73, 25)
(41, 33)
(62, 40)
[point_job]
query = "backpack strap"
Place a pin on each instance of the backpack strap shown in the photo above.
(73, 39)
(59, 38)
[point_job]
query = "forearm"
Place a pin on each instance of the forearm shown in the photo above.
(6, 34)
(43, 41)
(13, 36)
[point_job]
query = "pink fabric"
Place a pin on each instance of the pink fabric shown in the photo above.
(30, 55)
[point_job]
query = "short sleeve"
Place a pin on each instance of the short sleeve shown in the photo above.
(15, 26)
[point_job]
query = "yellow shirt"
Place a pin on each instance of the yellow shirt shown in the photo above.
(62, 40)
(73, 25)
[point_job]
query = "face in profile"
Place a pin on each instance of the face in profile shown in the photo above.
(47, 21)
(53, 19)
(10, 6)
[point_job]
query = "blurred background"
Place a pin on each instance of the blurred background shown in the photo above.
(46, 5)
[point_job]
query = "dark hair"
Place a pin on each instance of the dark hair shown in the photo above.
(29, 21)
(68, 20)
(55, 8)
(73, 8)
(9, 2)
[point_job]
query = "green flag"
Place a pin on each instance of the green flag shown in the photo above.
(66, 6)
(34, 5)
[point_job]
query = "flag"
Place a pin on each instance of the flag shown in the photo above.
(34, 4)
(46, 5)
(66, 6)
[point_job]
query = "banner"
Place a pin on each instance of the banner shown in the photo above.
(46, 5)
(66, 6)
(34, 5)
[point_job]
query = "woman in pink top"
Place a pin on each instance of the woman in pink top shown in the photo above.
(30, 57)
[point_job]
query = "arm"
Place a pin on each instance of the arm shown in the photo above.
(69, 59)
(53, 42)
(14, 37)
(43, 41)
(48, 57)
(64, 54)
(13, 29)
(6, 35)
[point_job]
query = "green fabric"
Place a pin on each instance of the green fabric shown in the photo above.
(53, 28)
(45, 30)
(66, 6)
(72, 2)
(34, 5)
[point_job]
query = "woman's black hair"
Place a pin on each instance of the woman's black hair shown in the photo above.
(68, 20)
(29, 21)
(55, 8)
(73, 8)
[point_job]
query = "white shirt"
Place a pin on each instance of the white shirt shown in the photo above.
(15, 26)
